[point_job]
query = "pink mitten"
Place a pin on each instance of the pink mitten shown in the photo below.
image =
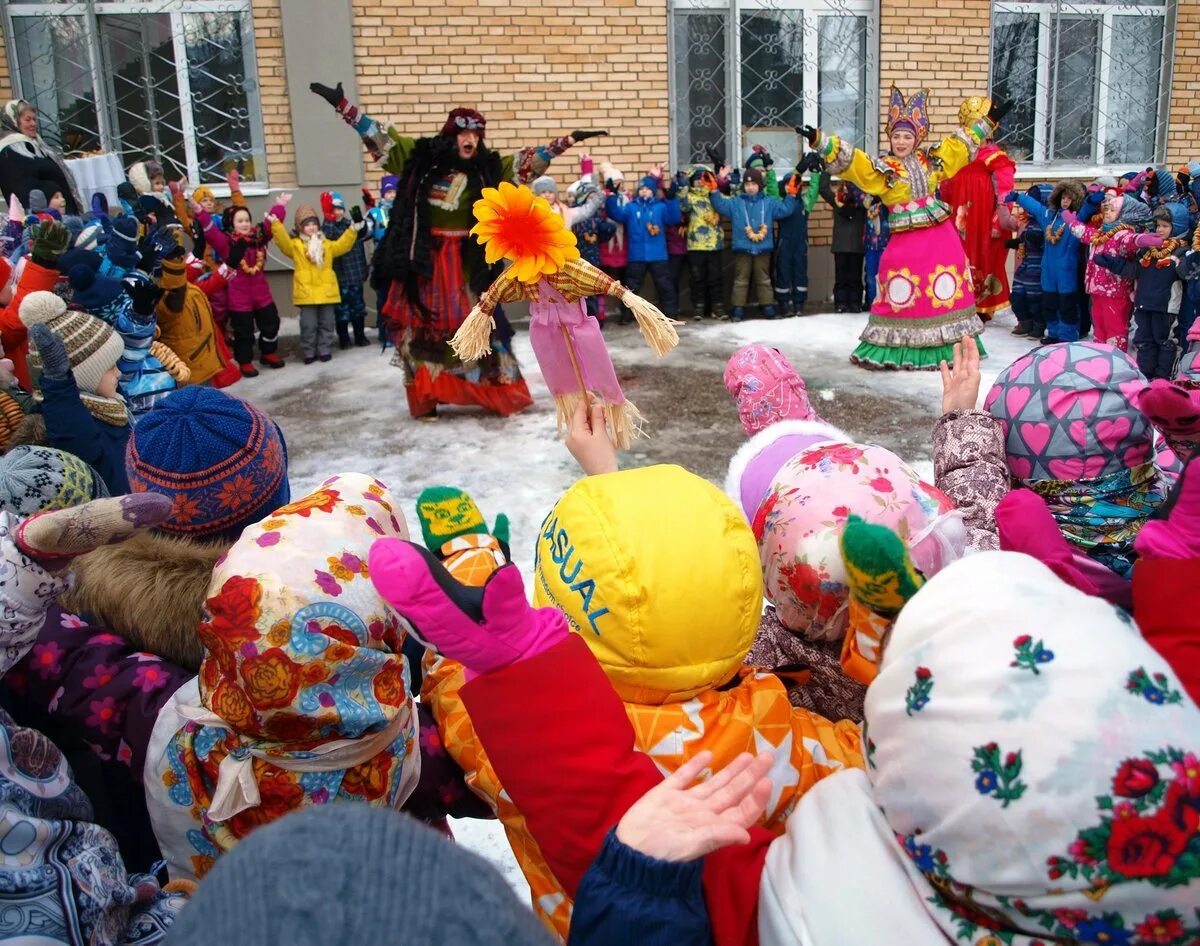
(1174, 409)
(485, 629)
(1148, 241)
(1025, 525)
(1178, 534)
(1070, 217)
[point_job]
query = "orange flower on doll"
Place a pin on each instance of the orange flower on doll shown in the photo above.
(516, 225)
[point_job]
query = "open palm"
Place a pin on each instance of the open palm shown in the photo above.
(675, 822)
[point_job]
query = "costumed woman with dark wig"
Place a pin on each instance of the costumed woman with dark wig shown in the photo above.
(926, 303)
(434, 271)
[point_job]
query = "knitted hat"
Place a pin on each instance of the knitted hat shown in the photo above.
(463, 899)
(90, 237)
(92, 292)
(544, 185)
(37, 479)
(464, 119)
(122, 244)
(389, 183)
(79, 257)
(658, 572)
(337, 200)
(37, 201)
(222, 461)
(93, 348)
(766, 387)
(753, 175)
(650, 182)
(304, 213)
(203, 193)
(610, 173)
(1066, 413)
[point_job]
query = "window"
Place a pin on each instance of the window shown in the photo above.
(170, 80)
(747, 72)
(1087, 80)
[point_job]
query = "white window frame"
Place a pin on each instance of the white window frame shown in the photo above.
(15, 9)
(811, 9)
(1042, 164)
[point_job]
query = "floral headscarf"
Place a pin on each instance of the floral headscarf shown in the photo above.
(303, 691)
(1038, 763)
(799, 523)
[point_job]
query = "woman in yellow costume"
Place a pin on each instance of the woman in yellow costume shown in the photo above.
(925, 303)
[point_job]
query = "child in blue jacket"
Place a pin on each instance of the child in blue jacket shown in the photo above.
(1060, 264)
(752, 215)
(646, 219)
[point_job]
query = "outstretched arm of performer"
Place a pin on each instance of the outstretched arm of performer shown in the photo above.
(530, 163)
(384, 143)
(848, 162)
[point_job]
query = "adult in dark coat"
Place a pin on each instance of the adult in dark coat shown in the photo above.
(27, 163)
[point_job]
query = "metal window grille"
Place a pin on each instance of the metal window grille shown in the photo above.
(1090, 82)
(168, 79)
(746, 72)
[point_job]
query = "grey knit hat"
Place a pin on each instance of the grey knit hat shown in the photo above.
(352, 873)
(38, 479)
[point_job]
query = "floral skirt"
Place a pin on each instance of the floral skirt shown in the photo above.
(924, 304)
(433, 374)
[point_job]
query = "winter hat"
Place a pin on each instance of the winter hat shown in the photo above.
(37, 201)
(464, 900)
(389, 182)
(92, 292)
(650, 182)
(203, 193)
(142, 174)
(766, 387)
(90, 237)
(1035, 761)
(697, 171)
(579, 191)
(610, 173)
(1134, 213)
(93, 348)
(78, 257)
(305, 213)
(37, 479)
(337, 200)
(1177, 215)
(222, 461)
(799, 523)
(753, 175)
(74, 225)
(447, 513)
(122, 244)
(464, 119)
(658, 572)
(544, 185)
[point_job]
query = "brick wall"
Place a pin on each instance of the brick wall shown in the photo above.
(6, 91)
(1183, 130)
(535, 69)
(272, 83)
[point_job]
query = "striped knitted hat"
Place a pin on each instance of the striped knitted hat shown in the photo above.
(222, 461)
(93, 348)
(38, 479)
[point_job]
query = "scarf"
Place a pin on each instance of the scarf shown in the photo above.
(1101, 517)
(13, 136)
(407, 254)
(315, 249)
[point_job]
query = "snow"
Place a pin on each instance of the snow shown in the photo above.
(350, 415)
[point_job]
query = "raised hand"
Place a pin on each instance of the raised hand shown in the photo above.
(960, 383)
(588, 439)
(999, 109)
(55, 362)
(334, 96)
(678, 821)
(581, 134)
(809, 133)
(234, 180)
(52, 538)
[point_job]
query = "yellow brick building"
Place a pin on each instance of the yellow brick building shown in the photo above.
(206, 84)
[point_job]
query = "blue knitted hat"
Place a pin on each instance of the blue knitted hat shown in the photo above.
(337, 199)
(122, 245)
(389, 183)
(92, 292)
(222, 461)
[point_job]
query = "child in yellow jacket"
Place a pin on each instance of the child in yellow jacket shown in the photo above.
(314, 285)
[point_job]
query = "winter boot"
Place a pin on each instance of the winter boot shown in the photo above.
(272, 361)
(360, 334)
(769, 311)
(737, 314)
(248, 370)
(343, 332)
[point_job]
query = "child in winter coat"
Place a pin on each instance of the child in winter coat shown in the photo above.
(39, 273)
(646, 219)
(186, 321)
(849, 223)
(1060, 262)
(1029, 241)
(592, 233)
(1112, 295)
(378, 218)
(350, 269)
(790, 271)
(673, 653)
(149, 180)
(752, 215)
(705, 240)
(875, 241)
(314, 284)
(250, 302)
(78, 354)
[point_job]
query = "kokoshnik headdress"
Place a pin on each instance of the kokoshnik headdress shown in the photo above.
(911, 115)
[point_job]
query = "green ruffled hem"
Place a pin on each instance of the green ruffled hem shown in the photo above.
(879, 357)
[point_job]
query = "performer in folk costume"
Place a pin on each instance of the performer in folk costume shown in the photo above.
(436, 273)
(548, 272)
(926, 303)
(974, 195)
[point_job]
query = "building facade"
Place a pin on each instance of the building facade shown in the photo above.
(206, 85)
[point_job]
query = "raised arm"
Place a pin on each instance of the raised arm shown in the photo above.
(383, 142)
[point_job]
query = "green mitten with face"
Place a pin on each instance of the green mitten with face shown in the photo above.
(447, 512)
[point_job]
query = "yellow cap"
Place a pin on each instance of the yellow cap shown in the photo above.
(659, 572)
(973, 109)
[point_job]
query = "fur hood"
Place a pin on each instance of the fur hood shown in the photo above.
(142, 173)
(150, 590)
(1071, 188)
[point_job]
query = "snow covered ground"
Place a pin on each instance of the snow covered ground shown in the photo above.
(350, 415)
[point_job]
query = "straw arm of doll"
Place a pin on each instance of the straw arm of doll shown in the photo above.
(969, 467)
